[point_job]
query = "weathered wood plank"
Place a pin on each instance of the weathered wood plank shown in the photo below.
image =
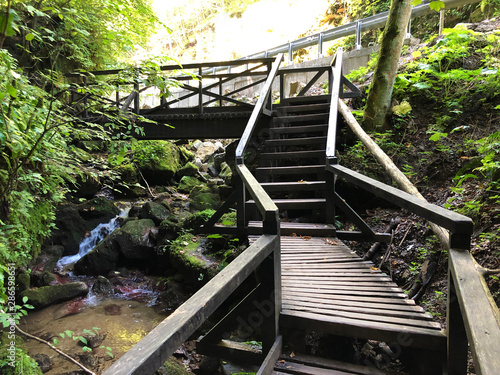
(425, 338)
(149, 354)
(332, 364)
(340, 297)
(300, 369)
(480, 313)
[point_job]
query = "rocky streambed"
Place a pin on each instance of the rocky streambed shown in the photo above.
(114, 269)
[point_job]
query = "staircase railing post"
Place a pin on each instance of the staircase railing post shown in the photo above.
(200, 90)
(241, 217)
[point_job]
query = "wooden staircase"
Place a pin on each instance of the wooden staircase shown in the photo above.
(292, 167)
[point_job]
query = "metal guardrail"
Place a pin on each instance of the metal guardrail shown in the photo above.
(352, 28)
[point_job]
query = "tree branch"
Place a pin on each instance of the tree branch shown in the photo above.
(55, 349)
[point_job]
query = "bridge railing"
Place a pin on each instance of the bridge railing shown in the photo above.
(149, 91)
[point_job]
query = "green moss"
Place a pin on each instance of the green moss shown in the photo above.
(189, 169)
(186, 155)
(174, 367)
(188, 183)
(195, 220)
(48, 295)
(204, 198)
(157, 158)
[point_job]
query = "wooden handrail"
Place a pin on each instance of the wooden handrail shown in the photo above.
(154, 349)
(480, 316)
(335, 89)
(453, 221)
(257, 111)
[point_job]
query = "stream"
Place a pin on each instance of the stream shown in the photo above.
(123, 317)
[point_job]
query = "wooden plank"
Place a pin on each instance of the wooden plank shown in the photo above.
(289, 284)
(328, 309)
(268, 365)
(149, 354)
(293, 155)
(300, 369)
(410, 336)
(295, 141)
(300, 129)
(345, 297)
(450, 220)
(350, 292)
(479, 311)
(362, 272)
(332, 364)
(303, 169)
(350, 284)
(364, 303)
(292, 266)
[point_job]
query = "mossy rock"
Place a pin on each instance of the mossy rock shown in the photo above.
(128, 173)
(87, 185)
(134, 239)
(189, 169)
(203, 198)
(186, 253)
(22, 282)
(154, 211)
(48, 295)
(71, 229)
(197, 219)
(186, 155)
(158, 161)
(226, 173)
(173, 367)
(188, 183)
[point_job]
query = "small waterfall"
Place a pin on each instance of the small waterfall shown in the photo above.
(95, 236)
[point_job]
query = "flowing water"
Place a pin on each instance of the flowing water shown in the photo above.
(123, 317)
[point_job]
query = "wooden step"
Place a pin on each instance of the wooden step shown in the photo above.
(295, 141)
(300, 129)
(302, 119)
(293, 186)
(278, 171)
(301, 364)
(299, 204)
(302, 100)
(293, 155)
(303, 109)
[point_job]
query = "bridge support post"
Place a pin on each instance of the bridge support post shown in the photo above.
(457, 337)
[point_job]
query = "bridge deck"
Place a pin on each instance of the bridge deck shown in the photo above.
(326, 287)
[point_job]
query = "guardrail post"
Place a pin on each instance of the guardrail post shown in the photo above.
(320, 45)
(241, 219)
(358, 35)
(408, 29)
(290, 52)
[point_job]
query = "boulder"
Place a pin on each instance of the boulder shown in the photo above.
(71, 229)
(226, 173)
(205, 150)
(87, 185)
(40, 279)
(102, 286)
(158, 161)
(48, 295)
(134, 239)
(22, 282)
(100, 260)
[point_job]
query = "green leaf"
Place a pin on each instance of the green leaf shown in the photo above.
(56, 341)
(436, 5)
(437, 136)
(29, 37)
(84, 340)
(25, 299)
(416, 2)
(69, 333)
(421, 85)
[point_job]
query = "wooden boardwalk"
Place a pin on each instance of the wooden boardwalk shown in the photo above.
(326, 286)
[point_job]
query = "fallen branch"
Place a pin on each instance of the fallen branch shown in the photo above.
(485, 272)
(147, 185)
(55, 349)
(376, 246)
(393, 171)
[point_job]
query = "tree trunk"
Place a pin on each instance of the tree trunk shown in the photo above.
(379, 97)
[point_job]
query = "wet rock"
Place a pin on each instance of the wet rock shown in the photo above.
(102, 286)
(97, 210)
(47, 259)
(93, 340)
(43, 361)
(134, 239)
(71, 229)
(206, 149)
(48, 295)
(226, 173)
(154, 211)
(88, 360)
(100, 260)
(172, 298)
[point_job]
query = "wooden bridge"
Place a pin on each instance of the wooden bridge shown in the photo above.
(298, 276)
